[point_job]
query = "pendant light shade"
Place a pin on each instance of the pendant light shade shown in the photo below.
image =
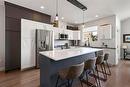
(56, 17)
(56, 20)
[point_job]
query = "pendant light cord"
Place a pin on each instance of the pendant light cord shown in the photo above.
(56, 7)
(83, 17)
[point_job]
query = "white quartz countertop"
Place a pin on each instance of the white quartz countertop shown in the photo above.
(67, 53)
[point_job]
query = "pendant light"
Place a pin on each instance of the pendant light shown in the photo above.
(56, 17)
(83, 20)
(56, 20)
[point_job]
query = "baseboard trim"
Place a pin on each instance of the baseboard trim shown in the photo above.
(28, 68)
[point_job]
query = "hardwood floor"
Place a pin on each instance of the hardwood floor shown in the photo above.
(120, 77)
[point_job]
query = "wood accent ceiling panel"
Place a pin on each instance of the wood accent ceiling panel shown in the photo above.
(19, 12)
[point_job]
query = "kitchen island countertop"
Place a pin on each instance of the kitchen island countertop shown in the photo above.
(68, 53)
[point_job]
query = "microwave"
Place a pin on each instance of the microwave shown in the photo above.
(63, 36)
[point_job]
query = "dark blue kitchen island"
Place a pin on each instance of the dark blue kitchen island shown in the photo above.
(52, 61)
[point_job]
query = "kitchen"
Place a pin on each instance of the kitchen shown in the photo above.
(24, 42)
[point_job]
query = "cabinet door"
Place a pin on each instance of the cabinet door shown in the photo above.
(13, 50)
(27, 53)
(40, 25)
(28, 29)
(76, 35)
(70, 34)
(48, 26)
(56, 33)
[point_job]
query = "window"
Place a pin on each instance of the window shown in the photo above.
(90, 33)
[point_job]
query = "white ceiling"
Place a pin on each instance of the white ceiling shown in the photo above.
(73, 14)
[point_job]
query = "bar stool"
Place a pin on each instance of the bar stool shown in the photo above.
(106, 56)
(99, 62)
(90, 66)
(70, 74)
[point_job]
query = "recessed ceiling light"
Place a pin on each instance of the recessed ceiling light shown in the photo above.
(96, 16)
(75, 22)
(62, 18)
(42, 7)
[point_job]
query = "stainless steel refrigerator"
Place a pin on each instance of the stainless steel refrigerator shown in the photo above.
(44, 42)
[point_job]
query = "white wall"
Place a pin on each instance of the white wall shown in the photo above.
(118, 38)
(114, 42)
(2, 36)
(125, 29)
(106, 20)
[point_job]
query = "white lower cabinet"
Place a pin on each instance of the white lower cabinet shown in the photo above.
(27, 53)
(28, 29)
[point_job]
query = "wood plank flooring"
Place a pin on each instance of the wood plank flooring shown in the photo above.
(120, 77)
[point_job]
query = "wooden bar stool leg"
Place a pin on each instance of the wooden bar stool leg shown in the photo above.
(81, 82)
(103, 71)
(95, 78)
(104, 67)
(99, 83)
(108, 68)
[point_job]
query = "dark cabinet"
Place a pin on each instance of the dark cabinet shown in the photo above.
(13, 24)
(13, 16)
(13, 46)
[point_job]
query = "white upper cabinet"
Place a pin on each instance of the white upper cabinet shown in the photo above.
(28, 29)
(76, 35)
(70, 34)
(40, 25)
(105, 32)
(44, 26)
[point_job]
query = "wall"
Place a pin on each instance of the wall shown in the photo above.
(2, 36)
(125, 29)
(118, 36)
(106, 20)
(113, 43)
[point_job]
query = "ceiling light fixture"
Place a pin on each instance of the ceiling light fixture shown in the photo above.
(56, 17)
(96, 16)
(83, 20)
(56, 20)
(42, 7)
(75, 22)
